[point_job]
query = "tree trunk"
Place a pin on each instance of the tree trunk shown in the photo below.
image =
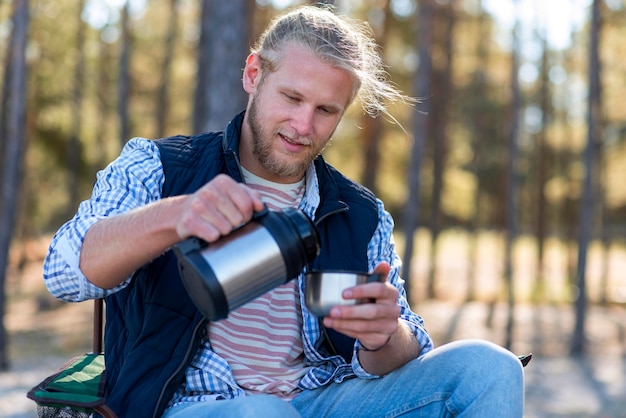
(371, 134)
(222, 50)
(439, 124)
(541, 148)
(512, 184)
(586, 211)
(124, 83)
(479, 132)
(105, 99)
(166, 70)
(13, 132)
(74, 147)
(421, 83)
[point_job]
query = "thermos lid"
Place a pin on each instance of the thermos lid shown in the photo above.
(306, 230)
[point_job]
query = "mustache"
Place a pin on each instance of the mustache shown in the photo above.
(295, 138)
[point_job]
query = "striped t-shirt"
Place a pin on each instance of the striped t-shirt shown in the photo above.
(262, 340)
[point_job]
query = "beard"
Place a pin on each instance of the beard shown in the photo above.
(281, 165)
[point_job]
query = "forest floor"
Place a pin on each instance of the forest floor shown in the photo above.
(44, 333)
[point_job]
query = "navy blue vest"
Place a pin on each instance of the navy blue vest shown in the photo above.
(153, 329)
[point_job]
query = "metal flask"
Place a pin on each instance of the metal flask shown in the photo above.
(262, 254)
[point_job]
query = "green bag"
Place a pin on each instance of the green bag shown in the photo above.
(77, 390)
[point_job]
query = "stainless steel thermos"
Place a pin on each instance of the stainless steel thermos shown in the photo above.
(262, 254)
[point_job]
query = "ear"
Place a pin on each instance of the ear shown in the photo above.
(252, 73)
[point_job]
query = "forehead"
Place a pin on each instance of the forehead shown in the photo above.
(301, 70)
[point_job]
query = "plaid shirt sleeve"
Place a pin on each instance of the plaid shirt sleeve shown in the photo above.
(134, 179)
(382, 248)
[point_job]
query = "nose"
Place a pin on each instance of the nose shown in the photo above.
(302, 120)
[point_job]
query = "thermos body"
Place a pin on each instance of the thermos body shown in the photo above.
(265, 253)
(257, 257)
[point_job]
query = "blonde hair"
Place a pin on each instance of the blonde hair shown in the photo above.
(343, 43)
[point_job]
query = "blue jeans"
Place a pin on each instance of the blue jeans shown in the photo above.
(469, 378)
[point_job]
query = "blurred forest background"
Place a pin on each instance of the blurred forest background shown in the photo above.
(511, 163)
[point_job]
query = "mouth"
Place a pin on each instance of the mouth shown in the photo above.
(292, 144)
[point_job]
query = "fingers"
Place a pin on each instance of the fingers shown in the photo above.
(383, 293)
(375, 317)
(371, 332)
(369, 314)
(382, 268)
(217, 208)
(371, 323)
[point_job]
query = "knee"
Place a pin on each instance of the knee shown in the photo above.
(490, 363)
(483, 376)
(476, 359)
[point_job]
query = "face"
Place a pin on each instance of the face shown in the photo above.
(291, 114)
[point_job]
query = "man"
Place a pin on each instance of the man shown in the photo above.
(271, 357)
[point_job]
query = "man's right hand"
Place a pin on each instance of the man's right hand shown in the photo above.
(217, 208)
(116, 246)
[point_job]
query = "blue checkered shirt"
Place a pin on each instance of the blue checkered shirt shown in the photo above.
(135, 179)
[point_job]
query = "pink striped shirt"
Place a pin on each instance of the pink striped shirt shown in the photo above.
(262, 340)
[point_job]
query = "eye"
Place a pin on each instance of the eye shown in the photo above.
(291, 98)
(327, 110)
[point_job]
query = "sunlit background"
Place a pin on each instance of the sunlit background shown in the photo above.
(491, 254)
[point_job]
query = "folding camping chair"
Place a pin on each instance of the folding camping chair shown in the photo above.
(77, 389)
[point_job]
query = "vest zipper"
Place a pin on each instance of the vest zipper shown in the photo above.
(183, 364)
(332, 212)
